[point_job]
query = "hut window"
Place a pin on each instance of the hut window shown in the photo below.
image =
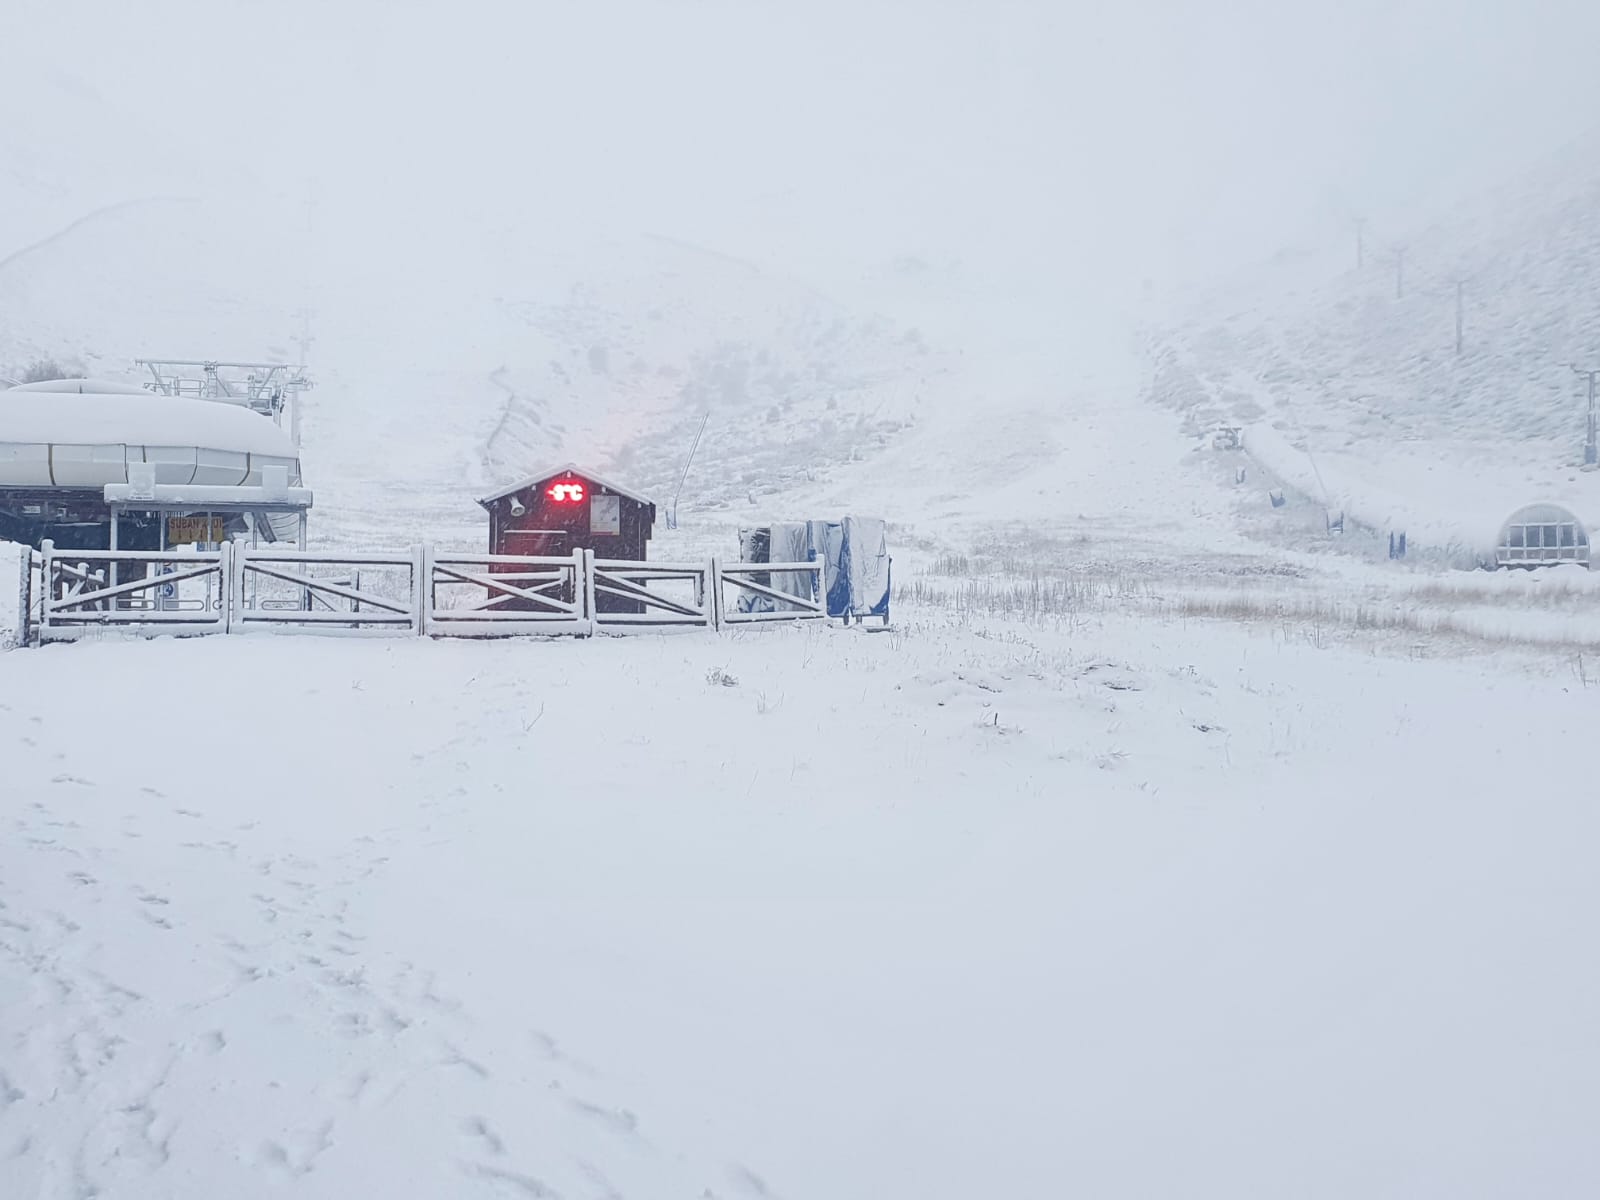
(1515, 538)
(1569, 536)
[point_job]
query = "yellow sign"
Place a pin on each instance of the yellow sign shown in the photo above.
(186, 531)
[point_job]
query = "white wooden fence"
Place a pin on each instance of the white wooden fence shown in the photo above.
(70, 594)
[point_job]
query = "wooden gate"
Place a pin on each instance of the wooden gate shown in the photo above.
(664, 595)
(756, 580)
(343, 593)
(88, 592)
(497, 595)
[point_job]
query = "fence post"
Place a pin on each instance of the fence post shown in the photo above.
(718, 617)
(708, 592)
(225, 556)
(238, 600)
(586, 582)
(422, 586)
(19, 635)
(47, 553)
(24, 595)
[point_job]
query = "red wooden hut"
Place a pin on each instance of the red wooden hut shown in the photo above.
(551, 513)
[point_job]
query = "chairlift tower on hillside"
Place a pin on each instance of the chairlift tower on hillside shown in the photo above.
(272, 389)
(1591, 443)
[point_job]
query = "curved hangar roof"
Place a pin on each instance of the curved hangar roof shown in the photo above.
(1542, 514)
(66, 439)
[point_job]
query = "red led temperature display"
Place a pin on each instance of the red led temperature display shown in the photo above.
(565, 493)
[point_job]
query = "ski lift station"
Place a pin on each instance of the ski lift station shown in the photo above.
(100, 465)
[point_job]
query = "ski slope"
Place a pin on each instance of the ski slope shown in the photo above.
(1356, 395)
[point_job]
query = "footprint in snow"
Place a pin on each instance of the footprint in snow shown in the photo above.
(454, 1058)
(618, 1120)
(357, 1086)
(512, 1183)
(748, 1182)
(480, 1129)
(300, 1156)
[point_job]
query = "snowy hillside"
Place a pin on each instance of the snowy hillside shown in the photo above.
(658, 333)
(512, 350)
(1359, 396)
(610, 353)
(921, 389)
(88, 158)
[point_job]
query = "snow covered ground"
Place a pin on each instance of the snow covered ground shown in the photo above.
(977, 907)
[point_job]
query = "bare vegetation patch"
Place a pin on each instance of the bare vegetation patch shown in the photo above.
(1051, 581)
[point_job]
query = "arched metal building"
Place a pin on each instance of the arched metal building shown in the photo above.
(1542, 535)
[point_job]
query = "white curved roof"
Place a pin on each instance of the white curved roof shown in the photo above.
(90, 387)
(35, 418)
(68, 440)
(1543, 514)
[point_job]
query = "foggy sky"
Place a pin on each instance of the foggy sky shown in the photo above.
(1079, 146)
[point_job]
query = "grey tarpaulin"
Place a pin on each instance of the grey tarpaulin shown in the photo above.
(790, 541)
(866, 561)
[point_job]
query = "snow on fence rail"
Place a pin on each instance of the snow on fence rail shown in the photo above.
(762, 587)
(652, 594)
(295, 591)
(498, 595)
(234, 589)
(175, 592)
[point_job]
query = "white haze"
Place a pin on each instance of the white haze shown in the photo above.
(1059, 155)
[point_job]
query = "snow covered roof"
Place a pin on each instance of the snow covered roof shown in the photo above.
(86, 387)
(63, 418)
(1543, 514)
(539, 477)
